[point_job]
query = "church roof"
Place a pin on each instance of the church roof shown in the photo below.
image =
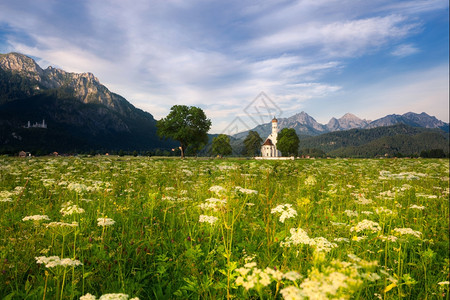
(268, 142)
(274, 120)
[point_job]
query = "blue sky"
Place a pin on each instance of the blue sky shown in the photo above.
(324, 57)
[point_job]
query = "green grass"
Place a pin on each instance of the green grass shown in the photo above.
(158, 249)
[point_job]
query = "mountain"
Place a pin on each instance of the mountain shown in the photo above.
(413, 119)
(80, 112)
(347, 121)
(306, 125)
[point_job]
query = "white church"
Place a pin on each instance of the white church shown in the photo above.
(269, 147)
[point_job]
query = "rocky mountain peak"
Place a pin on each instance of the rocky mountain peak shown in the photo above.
(84, 86)
(19, 63)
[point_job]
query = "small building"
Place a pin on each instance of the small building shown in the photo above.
(269, 147)
(24, 154)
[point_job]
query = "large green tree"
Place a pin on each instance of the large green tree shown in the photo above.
(252, 144)
(221, 145)
(288, 142)
(186, 124)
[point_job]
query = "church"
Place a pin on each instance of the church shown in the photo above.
(269, 147)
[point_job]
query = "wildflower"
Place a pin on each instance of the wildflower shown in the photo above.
(403, 231)
(212, 203)
(69, 209)
(292, 293)
(342, 239)
(414, 206)
(117, 296)
(351, 213)
(36, 218)
(105, 222)
(62, 224)
(391, 238)
(382, 210)
(54, 261)
(310, 180)
(77, 187)
(246, 191)
(442, 283)
(286, 211)
(366, 225)
(216, 189)
(292, 276)
(362, 200)
(88, 297)
(208, 219)
(338, 224)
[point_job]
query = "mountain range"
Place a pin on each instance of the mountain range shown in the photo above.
(81, 114)
(305, 125)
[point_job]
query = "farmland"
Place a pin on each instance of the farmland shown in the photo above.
(148, 228)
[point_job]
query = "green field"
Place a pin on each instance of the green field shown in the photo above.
(148, 228)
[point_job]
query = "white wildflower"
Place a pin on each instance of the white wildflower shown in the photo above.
(105, 222)
(292, 293)
(117, 296)
(69, 208)
(216, 189)
(246, 191)
(385, 211)
(338, 224)
(62, 224)
(390, 238)
(292, 276)
(286, 211)
(208, 219)
(77, 187)
(403, 231)
(88, 297)
(366, 225)
(351, 213)
(36, 218)
(54, 261)
(310, 180)
(414, 206)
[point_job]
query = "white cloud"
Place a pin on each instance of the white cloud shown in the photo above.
(337, 39)
(405, 50)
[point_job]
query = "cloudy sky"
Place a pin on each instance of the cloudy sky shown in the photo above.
(324, 57)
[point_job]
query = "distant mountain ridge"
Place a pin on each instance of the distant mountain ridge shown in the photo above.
(306, 125)
(81, 113)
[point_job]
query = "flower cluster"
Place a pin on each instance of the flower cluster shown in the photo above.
(245, 191)
(212, 203)
(366, 225)
(299, 237)
(208, 219)
(414, 206)
(54, 261)
(36, 218)
(216, 189)
(286, 211)
(114, 296)
(250, 276)
(310, 180)
(338, 280)
(69, 208)
(62, 224)
(105, 222)
(403, 231)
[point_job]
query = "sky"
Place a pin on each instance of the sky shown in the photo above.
(243, 62)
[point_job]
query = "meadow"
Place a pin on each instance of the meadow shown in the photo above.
(148, 228)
